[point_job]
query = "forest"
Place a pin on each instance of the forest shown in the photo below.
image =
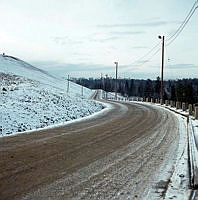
(183, 90)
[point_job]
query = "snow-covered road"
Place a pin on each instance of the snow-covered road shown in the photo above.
(116, 155)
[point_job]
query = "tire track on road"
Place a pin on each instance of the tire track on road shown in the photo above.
(58, 155)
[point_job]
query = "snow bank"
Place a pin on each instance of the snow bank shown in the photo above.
(31, 98)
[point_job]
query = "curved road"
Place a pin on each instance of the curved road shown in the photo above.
(115, 155)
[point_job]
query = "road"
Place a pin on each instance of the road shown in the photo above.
(115, 155)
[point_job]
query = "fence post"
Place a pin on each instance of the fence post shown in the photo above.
(177, 105)
(196, 112)
(190, 109)
(183, 106)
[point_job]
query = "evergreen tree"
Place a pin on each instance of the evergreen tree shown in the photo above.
(131, 88)
(173, 93)
(157, 87)
(148, 91)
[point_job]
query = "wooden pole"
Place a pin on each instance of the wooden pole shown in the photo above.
(116, 84)
(68, 84)
(162, 71)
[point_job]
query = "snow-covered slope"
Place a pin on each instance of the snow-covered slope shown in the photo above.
(12, 65)
(31, 98)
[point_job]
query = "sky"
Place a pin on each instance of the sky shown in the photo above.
(83, 38)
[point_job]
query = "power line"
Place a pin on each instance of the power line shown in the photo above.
(171, 38)
(183, 21)
(145, 55)
(149, 59)
(182, 27)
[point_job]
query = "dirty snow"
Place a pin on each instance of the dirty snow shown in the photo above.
(172, 179)
(31, 98)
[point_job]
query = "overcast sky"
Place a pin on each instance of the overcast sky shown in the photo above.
(84, 38)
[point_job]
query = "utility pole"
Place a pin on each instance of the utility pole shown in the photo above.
(116, 63)
(102, 86)
(106, 84)
(162, 70)
(81, 87)
(68, 84)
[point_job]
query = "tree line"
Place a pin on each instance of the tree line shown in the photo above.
(183, 90)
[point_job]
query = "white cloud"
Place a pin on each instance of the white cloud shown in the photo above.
(95, 31)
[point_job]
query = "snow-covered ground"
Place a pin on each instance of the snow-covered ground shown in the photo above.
(11, 65)
(173, 177)
(31, 98)
(172, 180)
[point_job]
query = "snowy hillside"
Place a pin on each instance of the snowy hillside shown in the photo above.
(12, 65)
(31, 98)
